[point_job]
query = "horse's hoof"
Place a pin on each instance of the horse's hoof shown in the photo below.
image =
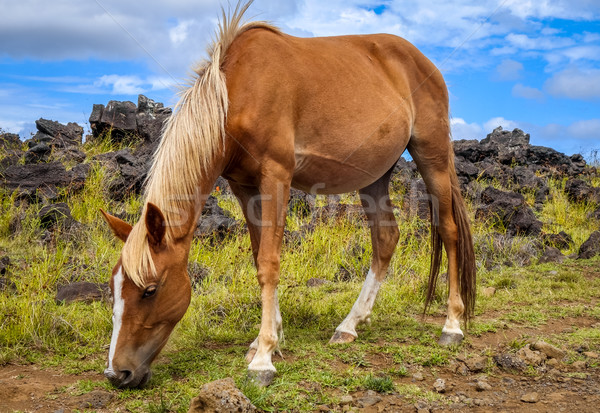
(341, 337)
(450, 339)
(250, 355)
(261, 378)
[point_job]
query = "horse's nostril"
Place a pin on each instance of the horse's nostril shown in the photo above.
(125, 376)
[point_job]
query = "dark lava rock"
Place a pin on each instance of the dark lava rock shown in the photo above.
(62, 135)
(218, 226)
(508, 209)
(70, 154)
(127, 170)
(509, 361)
(221, 396)
(82, 291)
(197, 273)
(580, 191)
(150, 119)
(594, 215)
(4, 265)
(43, 177)
(562, 240)
(526, 178)
(301, 203)
(117, 118)
(10, 141)
(38, 153)
(542, 194)
(551, 254)
(54, 214)
(591, 247)
(6, 284)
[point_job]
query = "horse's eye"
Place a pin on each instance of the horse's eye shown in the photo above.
(149, 292)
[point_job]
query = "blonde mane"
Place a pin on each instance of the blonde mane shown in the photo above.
(191, 138)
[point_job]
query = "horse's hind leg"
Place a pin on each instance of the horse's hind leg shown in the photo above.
(432, 151)
(384, 237)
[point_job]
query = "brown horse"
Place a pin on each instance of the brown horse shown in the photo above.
(268, 111)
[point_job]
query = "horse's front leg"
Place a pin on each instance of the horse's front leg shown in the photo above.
(249, 198)
(274, 194)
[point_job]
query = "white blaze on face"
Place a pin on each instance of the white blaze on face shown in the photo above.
(117, 318)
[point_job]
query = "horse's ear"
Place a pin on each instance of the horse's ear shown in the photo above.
(120, 228)
(155, 225)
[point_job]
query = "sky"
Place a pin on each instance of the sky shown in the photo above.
(528, 64)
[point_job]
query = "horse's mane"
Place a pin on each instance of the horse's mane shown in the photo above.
(190, 140)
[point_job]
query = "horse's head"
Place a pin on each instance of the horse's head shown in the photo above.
(147, 306)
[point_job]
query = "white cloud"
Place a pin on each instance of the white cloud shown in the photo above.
(575, 83)
(522, 41)
(506, 124)
(585, 129)
(527, 92)
(509, 70)
(179, 33)
(463, 130)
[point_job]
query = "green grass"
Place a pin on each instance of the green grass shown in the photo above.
(224, 315)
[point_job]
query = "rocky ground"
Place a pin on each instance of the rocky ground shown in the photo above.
(488, 376)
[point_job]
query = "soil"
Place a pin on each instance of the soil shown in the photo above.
(549, 386)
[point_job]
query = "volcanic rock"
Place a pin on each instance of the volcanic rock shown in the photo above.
(43, 178)
(221, 396)
(509, 210)
(82, 291)
(60, 135)
(56, 214)
(551, 254)
(591, 247)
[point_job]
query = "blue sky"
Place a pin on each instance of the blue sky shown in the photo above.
(532, 64)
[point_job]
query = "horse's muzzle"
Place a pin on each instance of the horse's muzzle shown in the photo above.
(128, 379)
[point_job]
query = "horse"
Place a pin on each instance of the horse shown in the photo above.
(269, 111)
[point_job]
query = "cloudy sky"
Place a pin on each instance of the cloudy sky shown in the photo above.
(532, 64)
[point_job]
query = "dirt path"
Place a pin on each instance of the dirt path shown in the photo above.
(539, 384)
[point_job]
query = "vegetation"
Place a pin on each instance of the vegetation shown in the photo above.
(223, 318)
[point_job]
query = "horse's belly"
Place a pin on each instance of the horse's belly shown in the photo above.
(321, 175)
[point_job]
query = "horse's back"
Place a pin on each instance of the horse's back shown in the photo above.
(345, 105)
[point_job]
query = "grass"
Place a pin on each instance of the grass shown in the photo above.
(224, 316)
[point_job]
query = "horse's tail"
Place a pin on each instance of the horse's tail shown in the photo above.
(465, 252)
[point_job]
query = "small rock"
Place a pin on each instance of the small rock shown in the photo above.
(54, 214)
(531, 357)
(96, 399)
(476, 364)
(548, 349)
(590, 354)
(489, 292)
(579, 365)
(591, 247)
(316, 282)
(551, 254)
(532, 397)
(221, 396)
(418, 376)
(371, 399)
(81, 291)
(421, 407)
(482, 386)
(509, 361)
(346, 399)
(440, 386)
(552, 362)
